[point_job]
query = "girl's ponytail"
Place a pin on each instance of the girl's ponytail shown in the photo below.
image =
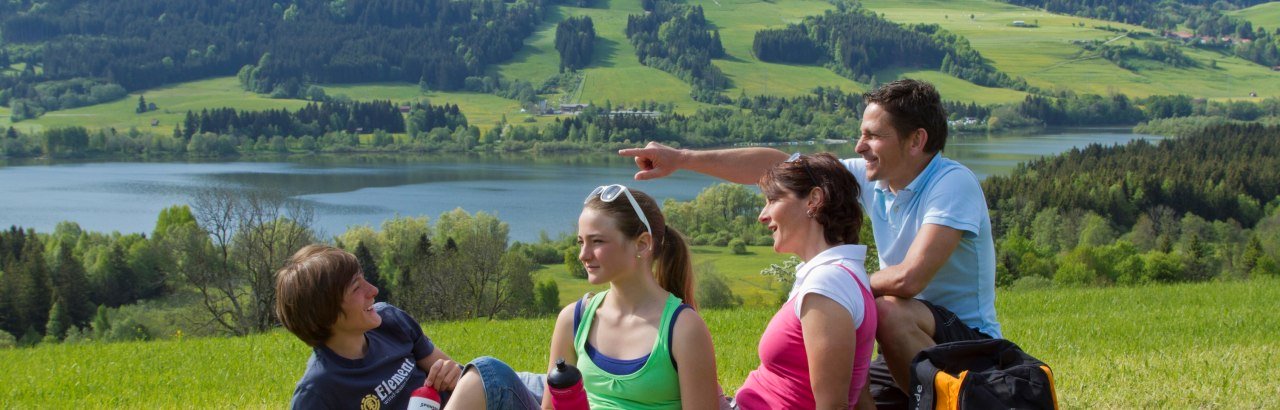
(675, 268)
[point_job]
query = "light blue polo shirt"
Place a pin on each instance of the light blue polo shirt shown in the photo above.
(946, 194)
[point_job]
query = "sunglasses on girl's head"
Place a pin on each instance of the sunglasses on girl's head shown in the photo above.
(796, 157)
(608, 193)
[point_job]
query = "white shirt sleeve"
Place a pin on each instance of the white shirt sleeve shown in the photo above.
(835, 283)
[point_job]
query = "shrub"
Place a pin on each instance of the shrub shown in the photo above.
(738, 246)
(573, 264)
(7, 341)
(548, 296)
(713, 290)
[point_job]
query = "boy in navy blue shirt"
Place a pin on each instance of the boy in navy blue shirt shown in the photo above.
(372, 356)
(366, 355)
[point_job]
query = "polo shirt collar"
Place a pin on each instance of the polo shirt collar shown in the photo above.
(882, 186)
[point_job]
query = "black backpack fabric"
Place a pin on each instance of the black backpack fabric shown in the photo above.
(980, 374)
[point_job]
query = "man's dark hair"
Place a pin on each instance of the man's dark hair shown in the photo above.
(913, 105)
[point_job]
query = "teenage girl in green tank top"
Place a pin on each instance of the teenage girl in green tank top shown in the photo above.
(637, 325)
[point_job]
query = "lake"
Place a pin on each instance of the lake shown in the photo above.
(532, 193)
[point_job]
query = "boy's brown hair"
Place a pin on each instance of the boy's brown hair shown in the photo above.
(310, 288)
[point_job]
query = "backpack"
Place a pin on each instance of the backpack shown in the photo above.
(980, 374)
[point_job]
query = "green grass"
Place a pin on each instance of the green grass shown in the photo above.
(955, 89)
(4, 117)
(172, 102)
(1204, 345)
(741, 271)
(1046, 58)
(738, 22)
(614, 74)
(482, 110)
(1263, 15)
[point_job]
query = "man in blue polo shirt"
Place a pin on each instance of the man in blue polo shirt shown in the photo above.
(928, 215)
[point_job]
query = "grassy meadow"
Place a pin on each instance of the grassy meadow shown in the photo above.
(1202, 345)
(172, 104)
(1046, 58)
(1263, 15)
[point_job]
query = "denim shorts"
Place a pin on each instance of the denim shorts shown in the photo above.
(504, 388)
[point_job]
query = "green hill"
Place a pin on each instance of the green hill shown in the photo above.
(1044, 55)
(1159, 346)
(1266, 15)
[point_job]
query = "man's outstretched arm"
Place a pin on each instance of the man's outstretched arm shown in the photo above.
(740, 165)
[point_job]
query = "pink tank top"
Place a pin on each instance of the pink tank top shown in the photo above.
(782, 380)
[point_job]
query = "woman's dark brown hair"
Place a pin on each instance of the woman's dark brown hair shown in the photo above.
(839, 213)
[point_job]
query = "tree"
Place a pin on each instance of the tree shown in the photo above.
(571, 262)
(231, 255)
(59, 321)
(521, 299)
(548, 294)
(370, 268)
(71, 287)
(170, 217)
(713, 290)
(31, 302)
(142, 105)
(101, 323)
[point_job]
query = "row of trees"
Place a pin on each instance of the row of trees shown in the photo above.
(220, 255)
(825, 114)
(312, 119)
(676, 38)
(575, 40)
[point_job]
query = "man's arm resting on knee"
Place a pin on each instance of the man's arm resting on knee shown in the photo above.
(929, 251)
(740, 165)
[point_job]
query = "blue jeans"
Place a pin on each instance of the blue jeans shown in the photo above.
(504, 388)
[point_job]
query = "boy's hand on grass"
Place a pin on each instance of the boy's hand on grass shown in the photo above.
(444, 374)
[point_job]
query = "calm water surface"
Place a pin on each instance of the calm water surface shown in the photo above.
(531, 193)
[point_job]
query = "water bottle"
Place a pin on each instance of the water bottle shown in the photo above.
(424, 398)
(565, 383)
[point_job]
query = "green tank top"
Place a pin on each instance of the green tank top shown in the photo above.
(654, 386)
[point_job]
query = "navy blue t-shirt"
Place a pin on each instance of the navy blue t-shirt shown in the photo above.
(383, 379)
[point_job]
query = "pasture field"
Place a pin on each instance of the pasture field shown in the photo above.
(1046, 58)
(172, 104)
(614, 75)
(738, 22)
(482, 110)
(1263, 15)
(1202, 345)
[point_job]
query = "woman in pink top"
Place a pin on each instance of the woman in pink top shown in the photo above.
(817, 348)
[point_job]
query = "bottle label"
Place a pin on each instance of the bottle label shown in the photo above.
(423, 403)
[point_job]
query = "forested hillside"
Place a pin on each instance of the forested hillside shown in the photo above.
(1190, 208)
(276, 49)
